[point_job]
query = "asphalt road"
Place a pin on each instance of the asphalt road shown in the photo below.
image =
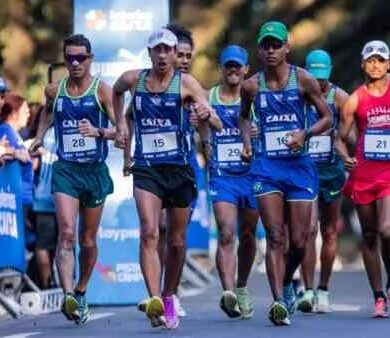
(351, 298)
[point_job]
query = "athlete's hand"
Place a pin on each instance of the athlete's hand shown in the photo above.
(121, 136)
(128, 166)
(349, 163)
(87, 129)
(246, 153)
(254, 130)
(202, 111)
(22, 155)
(34, 147)
(295, 140)
(194, 118)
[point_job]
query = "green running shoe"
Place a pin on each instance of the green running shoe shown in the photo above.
(278, 314)
(83, 310)
(70, 306)
(229, 304)
(306, 302)
(244, 302)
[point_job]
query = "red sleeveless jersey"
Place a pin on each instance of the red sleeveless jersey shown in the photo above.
(370, 179)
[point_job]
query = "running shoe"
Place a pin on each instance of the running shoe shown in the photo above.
(179, 309)
(170, 316)
(322, 301)
(278, 314)
(229, 304)
(155, 311)
(83, 310)
(306, 302)
(244, 302)
(289, 297)
(142, 305)
(380, 308)
(70, 306)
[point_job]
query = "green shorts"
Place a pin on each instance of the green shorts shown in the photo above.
(90, 183)
(332, 178)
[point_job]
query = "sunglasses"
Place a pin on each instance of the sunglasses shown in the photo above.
(371, 49)
(267, 45)
(80, 58)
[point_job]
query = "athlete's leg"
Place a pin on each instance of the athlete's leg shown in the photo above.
(330, 217)
(162, 238)
(148, 207)
(176, 249)
(299, 228)
(383, 207)
(67, 209)
(247, 244)
(226, 219)
(309, 261)
(271, 207)
(89, 225)
(368, 220)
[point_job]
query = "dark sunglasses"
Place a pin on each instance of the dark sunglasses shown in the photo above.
(80, 58)
(267, 45)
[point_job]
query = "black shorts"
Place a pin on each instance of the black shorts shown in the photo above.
(46, 231)
(175, 185)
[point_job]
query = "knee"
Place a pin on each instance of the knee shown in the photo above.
(66, 238)
(298, 242)
(87, 241)
(226, 238)
(370, 238)
(176, 244)
(276, 239)
(329, 235)
(149, 236)
(385, 230)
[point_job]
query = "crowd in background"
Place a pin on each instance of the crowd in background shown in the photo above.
(18, 126)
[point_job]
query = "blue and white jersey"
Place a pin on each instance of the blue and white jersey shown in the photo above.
(277, 113)
(321, 147)
(227, 143)
(68, 111)
(161, 125)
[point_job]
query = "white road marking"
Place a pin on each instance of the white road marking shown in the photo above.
(95, 316)
(345, 307)
(22, 335)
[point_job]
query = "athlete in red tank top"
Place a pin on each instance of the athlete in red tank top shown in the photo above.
(369, 182)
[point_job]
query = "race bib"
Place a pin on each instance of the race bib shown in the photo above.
(158, 143)
(229, 152)
(377, 144)
(276, 141)
(77, 143)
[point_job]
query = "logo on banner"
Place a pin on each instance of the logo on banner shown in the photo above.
(120, 272)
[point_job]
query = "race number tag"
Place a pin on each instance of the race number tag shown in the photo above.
(158, 143)
(74, 143)
(229, 152)
(275, 144)
(377, 144)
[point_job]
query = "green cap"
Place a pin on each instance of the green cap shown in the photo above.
(274, 29)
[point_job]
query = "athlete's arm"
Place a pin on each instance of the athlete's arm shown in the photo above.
(311, 90)
(191, 89)
(348, 116)
(44, 116)
(125, 82)
(248, 92)
(105, 99)
(340, 146)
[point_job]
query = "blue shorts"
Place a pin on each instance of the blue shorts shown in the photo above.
(295, 178)
(233, 189)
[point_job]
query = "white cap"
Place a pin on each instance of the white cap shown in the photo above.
(375, 47)
(162, 36)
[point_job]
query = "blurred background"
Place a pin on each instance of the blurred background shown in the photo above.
(31, 33)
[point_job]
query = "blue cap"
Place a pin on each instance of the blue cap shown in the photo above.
(234, 53)
(319, 64)
(3, 85)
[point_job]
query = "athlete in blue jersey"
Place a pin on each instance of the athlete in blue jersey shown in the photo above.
(81, 107)
(231, 188)
(285, 178)
(162, 175)
(328, 152)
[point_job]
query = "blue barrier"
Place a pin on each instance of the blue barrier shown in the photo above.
(11, 217)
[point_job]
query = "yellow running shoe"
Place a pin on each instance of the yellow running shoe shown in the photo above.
(155, 311)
